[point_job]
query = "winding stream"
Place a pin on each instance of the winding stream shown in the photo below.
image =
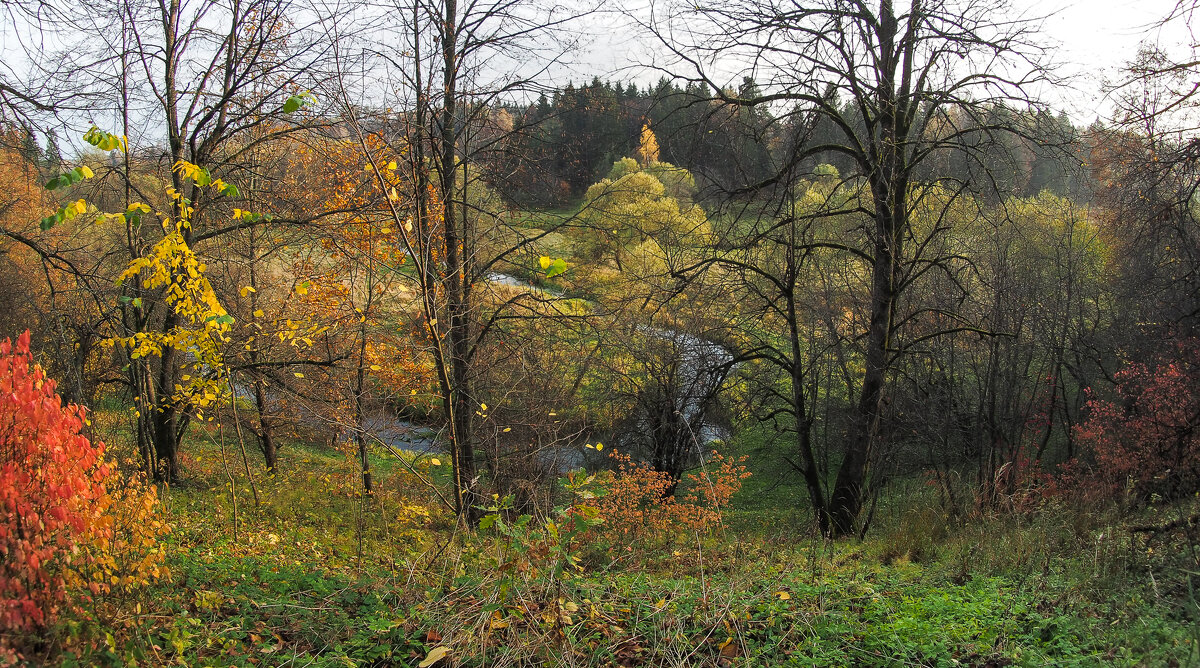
(700, 369)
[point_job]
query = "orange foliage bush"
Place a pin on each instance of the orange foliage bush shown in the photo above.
(67, 520)
(633, 505)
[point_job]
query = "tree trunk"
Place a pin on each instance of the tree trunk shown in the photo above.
(848, 492)
(812, 476)
(266, 436)
(458, 276)
(847, 499)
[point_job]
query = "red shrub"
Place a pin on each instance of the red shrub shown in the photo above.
(51, 482)
(1148, 441)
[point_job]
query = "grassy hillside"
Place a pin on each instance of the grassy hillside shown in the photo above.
(315, 575)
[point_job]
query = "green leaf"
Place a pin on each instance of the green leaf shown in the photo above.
(70, 178)
(557, 267)
(296, 102)
(105, 141)
(229, 190)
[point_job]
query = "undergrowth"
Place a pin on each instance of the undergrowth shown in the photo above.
(319, 576)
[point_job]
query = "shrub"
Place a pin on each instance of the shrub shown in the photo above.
(68, 520)
(1146, 443)
(634, 504)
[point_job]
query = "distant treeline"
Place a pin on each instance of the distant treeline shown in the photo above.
(569, 138)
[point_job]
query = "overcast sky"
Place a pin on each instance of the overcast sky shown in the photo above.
(1098, 36)
(1095, 39)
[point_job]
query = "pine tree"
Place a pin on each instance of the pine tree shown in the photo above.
(30, 149)
(53, 155)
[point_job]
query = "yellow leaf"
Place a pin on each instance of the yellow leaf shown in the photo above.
(258, 313)
(298, 375)
(483, 406)
(375, 367)
(599, 446)
(662, 603)
(507, 429)
(783, 595)
(435, 461)
(86, 171)
(545, 262)
(392, 165)
(81, 206)
(436, 654)
(246, 290)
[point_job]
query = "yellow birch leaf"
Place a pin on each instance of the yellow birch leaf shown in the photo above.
(436, 654)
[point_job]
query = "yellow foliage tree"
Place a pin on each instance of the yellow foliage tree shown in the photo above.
(647, 150)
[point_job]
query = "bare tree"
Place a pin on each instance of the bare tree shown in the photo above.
(898, 82)
(1149, 167)
(457, 64)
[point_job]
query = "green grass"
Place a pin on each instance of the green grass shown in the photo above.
(318, 576)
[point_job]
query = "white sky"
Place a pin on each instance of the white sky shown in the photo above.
(1097, 37)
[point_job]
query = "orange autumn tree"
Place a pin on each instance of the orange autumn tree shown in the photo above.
(348, 279)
